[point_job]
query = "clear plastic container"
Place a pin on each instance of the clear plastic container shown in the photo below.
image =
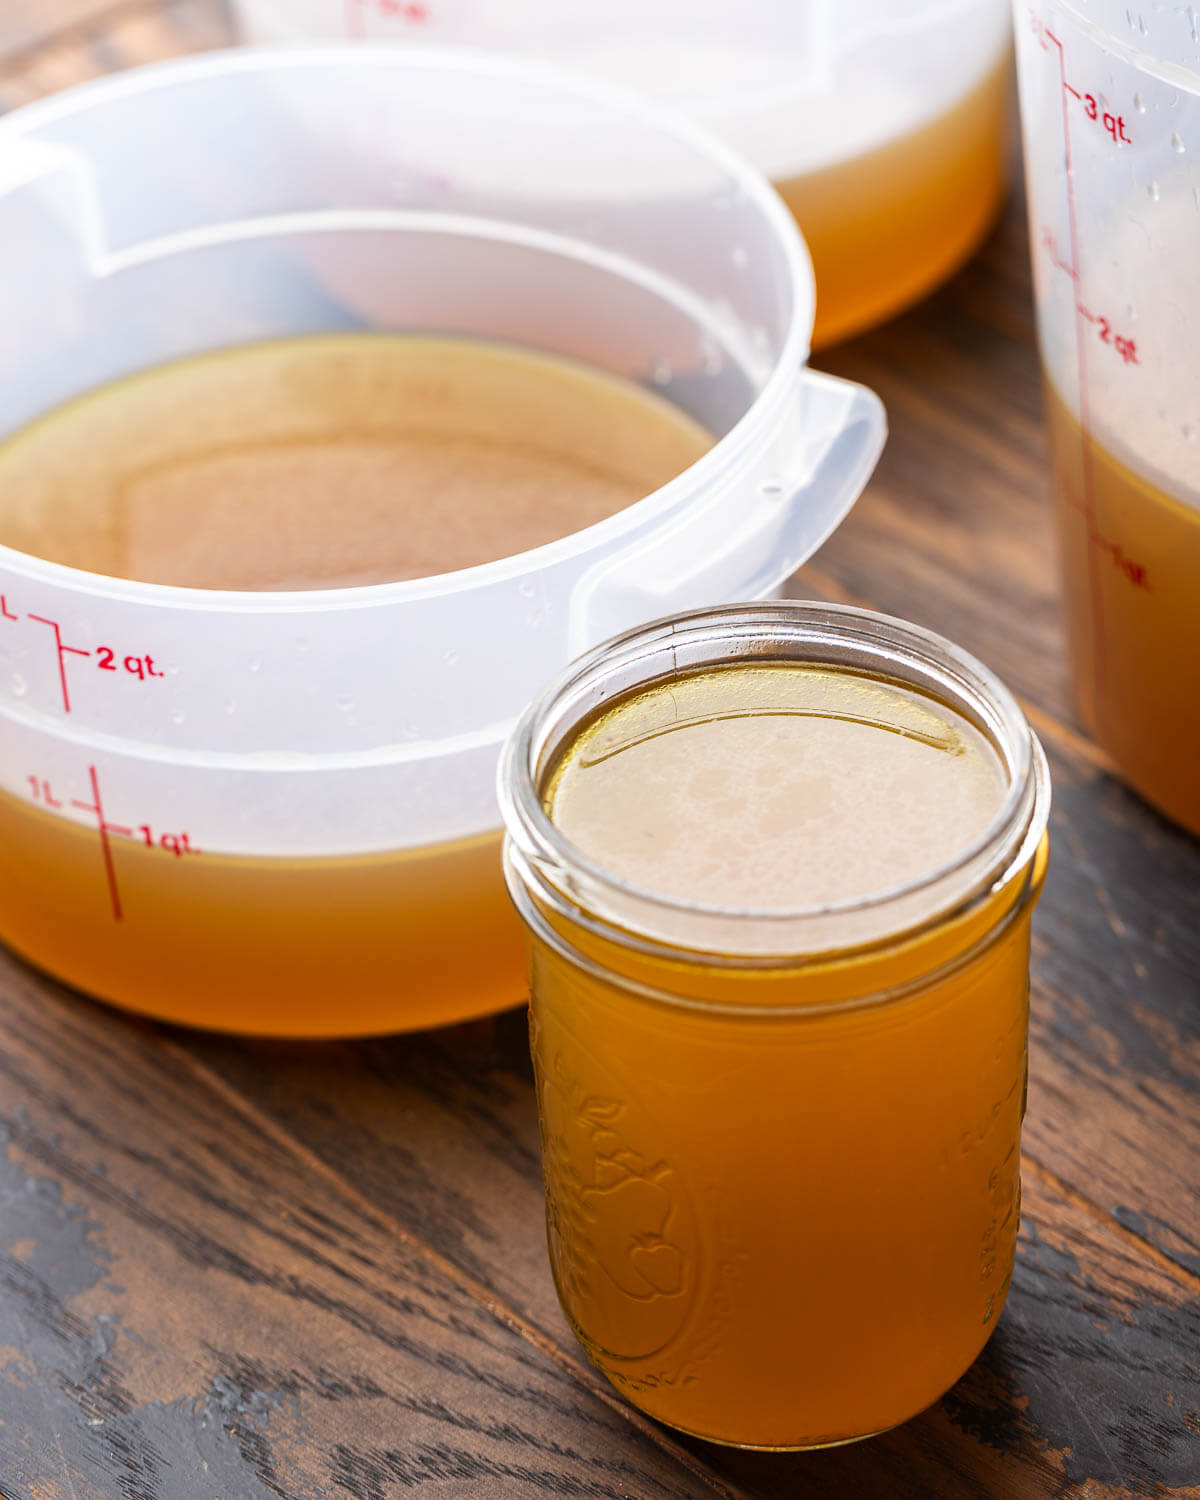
(1110, 103)
(276, 812)
(884, 123)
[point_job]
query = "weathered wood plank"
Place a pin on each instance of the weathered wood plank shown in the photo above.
(440, 1131)
(26, 25)
(955, 530)
(187, 1312)
(1087, 1389)
(1115, 1106)
(105, 40)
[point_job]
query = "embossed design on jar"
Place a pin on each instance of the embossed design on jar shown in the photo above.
(622, 1235)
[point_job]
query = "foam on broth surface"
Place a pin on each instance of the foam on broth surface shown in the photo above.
(335, 460)
(775, 786)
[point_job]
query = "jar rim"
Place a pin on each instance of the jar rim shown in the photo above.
(826, 634)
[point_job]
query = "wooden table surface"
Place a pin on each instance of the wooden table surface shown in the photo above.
(232, 1271)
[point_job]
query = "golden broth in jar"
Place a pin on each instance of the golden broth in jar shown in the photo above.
(779, 916)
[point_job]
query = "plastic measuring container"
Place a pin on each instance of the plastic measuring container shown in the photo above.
(1110, 101)
(884, 123)
(275, 812)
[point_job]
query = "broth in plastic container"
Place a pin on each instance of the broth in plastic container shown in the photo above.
(291, 340)
(883, 123)
(1110, 105)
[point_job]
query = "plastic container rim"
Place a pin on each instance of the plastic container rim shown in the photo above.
(725, 453)
(1176, 74)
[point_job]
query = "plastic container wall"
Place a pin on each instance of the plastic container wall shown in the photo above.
(251, 196)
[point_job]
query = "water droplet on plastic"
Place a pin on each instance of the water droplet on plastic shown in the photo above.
(177, 716)
(660, 372)
(303, 646)
(533, 619)
(527, 588)
(345, 704)
(1139, 104)
(1177, 143)
(173, 669)
(254, 664)
(770, 488)
(740, 256)
(450, 657)
(1153, 192)
(19, 686)
(230, 705)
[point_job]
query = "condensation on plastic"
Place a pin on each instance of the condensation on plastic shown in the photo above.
(795, 85)
(256, 195)
(1114, 196)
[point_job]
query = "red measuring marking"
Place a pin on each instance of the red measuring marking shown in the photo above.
(1045, 35)
(177, 844)
(142, 666)
(415, 12)
(1112, 125)
(1124, 346)
(105, 828)
(62, 652)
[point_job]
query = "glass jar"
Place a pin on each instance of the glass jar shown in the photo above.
(780, 1147)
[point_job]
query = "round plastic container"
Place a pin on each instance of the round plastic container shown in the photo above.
(884, 123)
(275, 812)
(1110, 101)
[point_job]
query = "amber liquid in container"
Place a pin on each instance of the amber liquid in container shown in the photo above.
(777, 866)
(320, 462)
(1131, 572)
(888, 225)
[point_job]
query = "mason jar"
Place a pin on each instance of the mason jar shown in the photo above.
(780, 1144)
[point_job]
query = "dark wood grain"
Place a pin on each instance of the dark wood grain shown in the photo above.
(80, 40)
(440, 1131)
(320, 1271)
(30, 26)
(955, 530)
(187, 1311)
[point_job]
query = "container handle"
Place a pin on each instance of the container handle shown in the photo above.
(63, 181)
(744, 542)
